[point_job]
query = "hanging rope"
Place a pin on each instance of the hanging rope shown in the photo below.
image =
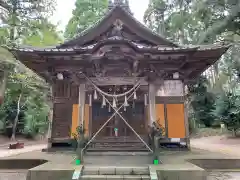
(116, 95)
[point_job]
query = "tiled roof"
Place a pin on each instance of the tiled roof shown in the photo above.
(137, 45)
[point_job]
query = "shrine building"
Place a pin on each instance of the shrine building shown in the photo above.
(119, 76)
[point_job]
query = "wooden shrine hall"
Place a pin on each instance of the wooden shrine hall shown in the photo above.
(118, 62)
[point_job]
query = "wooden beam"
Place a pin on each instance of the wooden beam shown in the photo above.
(143, 88)
(104, 81)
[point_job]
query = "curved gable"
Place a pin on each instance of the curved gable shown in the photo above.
(130, 29)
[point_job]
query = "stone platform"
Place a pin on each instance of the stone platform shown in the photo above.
(176, 165)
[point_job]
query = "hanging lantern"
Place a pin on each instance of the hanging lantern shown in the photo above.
(114, 103)
(60, 76)
(176, 75)
(95, 96)
(125, 108)
(109, 108)
(135, 95)
(133, 105)
(103, 102)
(126, 102)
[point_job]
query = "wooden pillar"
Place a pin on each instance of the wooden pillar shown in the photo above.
(86, 119)
(50, 119)
(152, 102)
(81, 102)
(90, 116)
(186, 116)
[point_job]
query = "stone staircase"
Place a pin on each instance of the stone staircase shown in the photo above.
(115, 144)
(116, 173)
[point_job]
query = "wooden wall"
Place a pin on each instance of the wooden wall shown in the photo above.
(75, 118)
(65, 95)
(75, 114)
(176, 121)
(170, 114)
(160, 115)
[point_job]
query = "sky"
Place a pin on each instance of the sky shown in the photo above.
(64, 11)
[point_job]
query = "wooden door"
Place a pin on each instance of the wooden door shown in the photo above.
(135, 116)
(99, 116)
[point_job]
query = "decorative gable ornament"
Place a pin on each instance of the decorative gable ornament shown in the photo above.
(123, 3)
(118, 25)
(117, 29)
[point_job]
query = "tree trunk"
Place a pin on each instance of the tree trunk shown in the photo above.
(234, 132)
(14, 24)
(13, 138)
(3, 85)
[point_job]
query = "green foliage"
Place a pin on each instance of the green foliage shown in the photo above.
(228, 110)
(173, 19)
(36, 114)
(17, 16)
(202, 101)
(79, 137)
(46, 36)
(25, 23)
(202, 22)
(85, 14)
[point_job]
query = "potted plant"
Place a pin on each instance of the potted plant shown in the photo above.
(158, 133)
(17, 145)
(79, 142)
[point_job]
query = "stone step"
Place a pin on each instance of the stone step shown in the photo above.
(119, 145)
(119, 149)
(118, 153)
(114, 139)
(117, 142)
(112, 170)
(115, 177)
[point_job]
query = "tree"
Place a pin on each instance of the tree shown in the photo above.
(203, 22)
(202, 101)
(22, 87)
(17, 15)
(228, 111)
(46, 36)
(26, 92)
(16, 22)
(222, 16)
(172, 19)
(85, 14)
